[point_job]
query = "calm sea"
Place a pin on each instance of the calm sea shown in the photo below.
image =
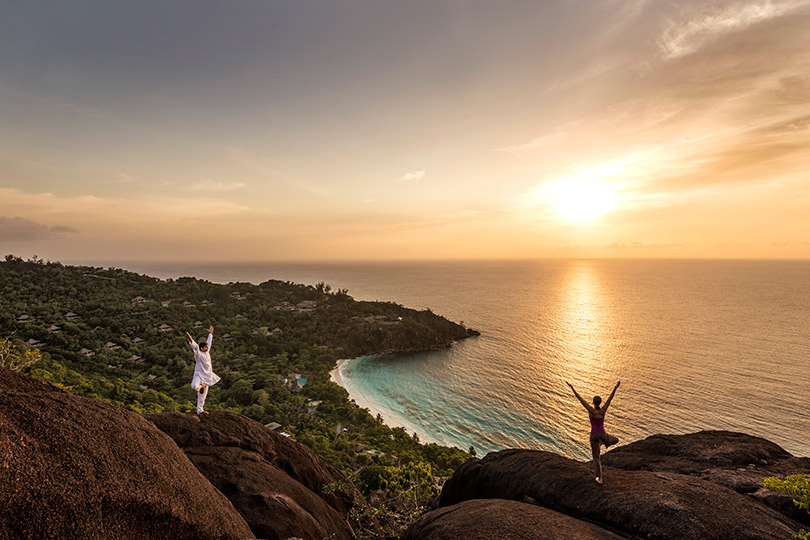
(696, 344)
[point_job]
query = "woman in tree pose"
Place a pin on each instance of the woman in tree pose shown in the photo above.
(596, 413)
(204, 375)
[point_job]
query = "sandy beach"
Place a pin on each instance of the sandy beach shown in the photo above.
(390, 419)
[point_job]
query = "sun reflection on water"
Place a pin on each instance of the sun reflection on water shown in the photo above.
(584, 322)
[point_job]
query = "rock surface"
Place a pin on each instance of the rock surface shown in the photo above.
(72, 467)
(733, 460)
(497, 519)
(642, 504)
(274, 482)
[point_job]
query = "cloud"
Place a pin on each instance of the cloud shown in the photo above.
(704, 25)
(122, 178)
(104, 212)
(17, 228)
(210, 185)
(412, 176)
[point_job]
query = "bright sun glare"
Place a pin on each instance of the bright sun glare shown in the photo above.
(580, 200)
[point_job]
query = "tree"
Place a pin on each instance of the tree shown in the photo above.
(15, 357)
(793, 485)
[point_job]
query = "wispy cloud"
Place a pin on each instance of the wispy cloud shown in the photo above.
(412, 176)
(89, 209)
(17, 228)
(707, 23)
(210, 185)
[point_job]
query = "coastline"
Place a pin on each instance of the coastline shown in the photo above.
(361, 400)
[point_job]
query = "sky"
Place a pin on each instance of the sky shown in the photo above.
(370, 129)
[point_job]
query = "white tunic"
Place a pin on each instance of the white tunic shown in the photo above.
(203, 372)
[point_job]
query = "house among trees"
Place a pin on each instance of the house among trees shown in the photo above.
(187, 304)
(135, 359)
(138, 341)
(239, 317)
(307, 305)
(33, 343)
(273, 426)
(97, 330)
(87, 352)
(165, 303)
(165, 328)
(24, 319)
(53, 329)
(197, 324)
(236, 295)
(206, 303)
(138, 300)
(312, 406)
(226, 337)
(110, 346)
(71, 316)
(277, 330)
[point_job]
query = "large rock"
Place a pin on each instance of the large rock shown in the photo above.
(274, 482)
(733, 460)
(72, 467)
(497, 519)
(645, 504)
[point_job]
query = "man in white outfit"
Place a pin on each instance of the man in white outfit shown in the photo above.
(204, 375)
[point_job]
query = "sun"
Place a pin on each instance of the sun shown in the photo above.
(580, 200)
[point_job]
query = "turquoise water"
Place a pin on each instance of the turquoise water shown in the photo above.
(697, 345)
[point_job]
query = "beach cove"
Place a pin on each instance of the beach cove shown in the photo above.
(357, 395)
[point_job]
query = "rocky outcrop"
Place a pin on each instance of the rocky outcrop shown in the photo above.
(641, 504)
(494, 519)
(274, 482)
(72, 467)
(733, 460)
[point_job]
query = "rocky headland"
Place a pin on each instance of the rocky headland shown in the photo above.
(74, 467)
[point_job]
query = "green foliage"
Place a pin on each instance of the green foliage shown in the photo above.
(797, 485)
(16, 356)
(397, 497)
(111, 345)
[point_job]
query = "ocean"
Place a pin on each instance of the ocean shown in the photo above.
(696, 344)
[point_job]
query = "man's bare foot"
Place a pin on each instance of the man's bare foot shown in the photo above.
(598, 479)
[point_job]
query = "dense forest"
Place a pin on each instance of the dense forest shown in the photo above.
(119, 336)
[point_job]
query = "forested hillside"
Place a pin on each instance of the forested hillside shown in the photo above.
(120, 337)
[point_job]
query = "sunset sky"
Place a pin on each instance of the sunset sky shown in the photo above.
(372, 129)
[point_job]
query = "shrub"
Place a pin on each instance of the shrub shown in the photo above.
(798, 485)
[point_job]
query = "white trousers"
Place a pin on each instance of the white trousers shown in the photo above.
(202, 393)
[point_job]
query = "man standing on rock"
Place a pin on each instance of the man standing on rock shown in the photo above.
(204, 375)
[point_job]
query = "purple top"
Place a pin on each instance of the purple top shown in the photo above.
(597, 424)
